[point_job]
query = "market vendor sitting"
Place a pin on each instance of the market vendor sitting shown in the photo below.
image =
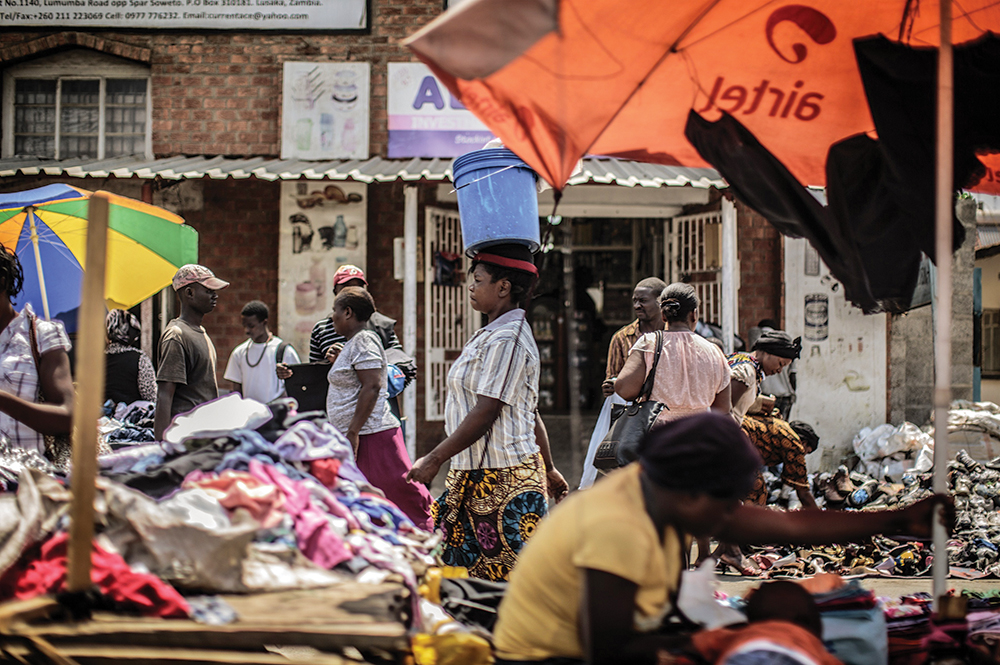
(602, 572)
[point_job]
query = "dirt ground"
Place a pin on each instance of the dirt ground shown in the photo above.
(734, 585)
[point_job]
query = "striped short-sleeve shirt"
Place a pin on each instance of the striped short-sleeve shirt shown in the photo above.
(18, 373)
(499, 361)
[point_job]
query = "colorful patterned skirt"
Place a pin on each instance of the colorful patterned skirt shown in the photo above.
(777, 443)
(487, 516)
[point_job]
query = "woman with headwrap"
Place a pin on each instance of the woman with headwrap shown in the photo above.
(501, 466)
(129, 373)
(691, 375)
(775, 440)
(603, 571)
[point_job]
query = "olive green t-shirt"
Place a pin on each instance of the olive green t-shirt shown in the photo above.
(187, 358)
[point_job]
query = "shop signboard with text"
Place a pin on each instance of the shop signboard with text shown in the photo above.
(425, 120)
(187, 14)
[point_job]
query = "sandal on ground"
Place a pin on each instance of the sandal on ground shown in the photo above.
(745, 566)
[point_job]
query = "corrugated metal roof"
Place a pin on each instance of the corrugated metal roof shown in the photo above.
(987, 235)
(375, 169)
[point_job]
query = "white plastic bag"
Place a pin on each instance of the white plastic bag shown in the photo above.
(601, 430)
(905, 439)
(696, 599)
(869, 442)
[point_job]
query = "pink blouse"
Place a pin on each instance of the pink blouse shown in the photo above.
(691, 372)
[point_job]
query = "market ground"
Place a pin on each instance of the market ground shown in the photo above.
(733, 585)
(571, 464)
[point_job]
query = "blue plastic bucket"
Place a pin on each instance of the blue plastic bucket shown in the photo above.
(497, 199)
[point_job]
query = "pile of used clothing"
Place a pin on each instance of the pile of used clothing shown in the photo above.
(274, 504)
(976, 427)
(124, 425)
(974, 548)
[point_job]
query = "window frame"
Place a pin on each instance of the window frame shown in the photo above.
(985, 339)
(76, 64)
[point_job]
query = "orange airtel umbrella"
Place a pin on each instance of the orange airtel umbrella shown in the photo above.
(558, 79)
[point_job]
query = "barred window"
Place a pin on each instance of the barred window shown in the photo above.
(76, 104)
(89, 118)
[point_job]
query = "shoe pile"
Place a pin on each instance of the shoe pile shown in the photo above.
(973, 551)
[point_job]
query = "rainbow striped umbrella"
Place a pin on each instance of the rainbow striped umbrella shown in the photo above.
(47, 228)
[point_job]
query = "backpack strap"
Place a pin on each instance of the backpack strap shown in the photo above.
(279, 354)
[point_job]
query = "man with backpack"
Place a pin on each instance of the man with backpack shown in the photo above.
(252, 364)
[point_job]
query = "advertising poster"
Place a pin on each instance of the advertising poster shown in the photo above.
(188, 14)
(323, 226)
(425, 120)
(324, 110)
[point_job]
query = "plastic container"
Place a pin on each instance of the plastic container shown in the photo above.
(497, 199)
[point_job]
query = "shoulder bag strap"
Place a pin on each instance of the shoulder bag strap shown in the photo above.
(279, 354)
(36, 356)
(647, 385)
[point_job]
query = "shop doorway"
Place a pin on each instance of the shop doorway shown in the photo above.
(694, 255)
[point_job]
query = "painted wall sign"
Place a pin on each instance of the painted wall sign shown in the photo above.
(323, 226)
(425, 120)
(188, 14)
(324, 110)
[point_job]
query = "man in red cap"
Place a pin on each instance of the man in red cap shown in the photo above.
(324, 336)
(186, 376)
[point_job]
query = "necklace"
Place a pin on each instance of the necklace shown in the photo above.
(262, 352)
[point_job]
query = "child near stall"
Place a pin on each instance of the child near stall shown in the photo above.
(784, 627)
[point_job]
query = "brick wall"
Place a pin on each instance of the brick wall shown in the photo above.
(761, 269)
(238, 240)
(219, 93)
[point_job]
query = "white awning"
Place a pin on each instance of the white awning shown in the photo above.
(376, 169)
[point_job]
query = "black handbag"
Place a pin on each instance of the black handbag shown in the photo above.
(630, 423)
(308, 384)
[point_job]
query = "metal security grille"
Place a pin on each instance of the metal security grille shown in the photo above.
(449, 319)
(696, 258)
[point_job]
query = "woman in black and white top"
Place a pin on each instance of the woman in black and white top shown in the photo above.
(128, 370)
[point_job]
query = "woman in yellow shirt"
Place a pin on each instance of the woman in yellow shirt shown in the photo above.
(603, 570)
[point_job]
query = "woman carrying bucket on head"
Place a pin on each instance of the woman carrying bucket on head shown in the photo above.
(501, 467)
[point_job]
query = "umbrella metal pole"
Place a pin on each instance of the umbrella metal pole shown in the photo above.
(89, 396)
(38, 264)
(944, 213)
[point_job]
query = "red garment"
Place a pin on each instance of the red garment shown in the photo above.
(47, 574)
(326, 471)
(717, 645)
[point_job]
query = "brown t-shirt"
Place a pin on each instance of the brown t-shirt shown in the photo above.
(187, 358)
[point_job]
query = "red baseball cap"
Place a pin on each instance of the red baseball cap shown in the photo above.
(347, 272)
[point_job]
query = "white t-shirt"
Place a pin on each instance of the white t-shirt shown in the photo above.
(363, 351)
(253, 366)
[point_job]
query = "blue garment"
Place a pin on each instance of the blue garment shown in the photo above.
(253, 446)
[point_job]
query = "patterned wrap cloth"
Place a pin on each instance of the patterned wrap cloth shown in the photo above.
(777, 443)
(487, 516)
